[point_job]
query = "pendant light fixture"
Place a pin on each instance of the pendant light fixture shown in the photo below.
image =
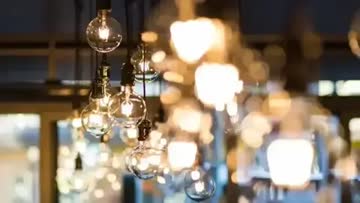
(95, 116)
(104, 32)
(127, 108)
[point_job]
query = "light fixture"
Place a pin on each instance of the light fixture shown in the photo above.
(144, 161)
(290, 162)
(104, 33)
(127, 108)
(199, 185)
(216, 84)
(181, 154)
(95, 116)
(193, 38)
(80, 181)
(143, 64)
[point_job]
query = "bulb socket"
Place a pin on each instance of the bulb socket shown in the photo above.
(103, 5)
(102, 79)
(127, 75)
(144, 130)
(78, 162)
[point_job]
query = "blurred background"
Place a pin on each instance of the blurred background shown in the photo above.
(299, 61)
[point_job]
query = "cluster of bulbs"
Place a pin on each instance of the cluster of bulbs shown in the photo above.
(126, 109)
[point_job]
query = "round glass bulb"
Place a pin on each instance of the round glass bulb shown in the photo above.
(80, 181)
(143, 64)
(144, 161)
(127, 108)
(103, 33)
(199, 185)
(95, 119)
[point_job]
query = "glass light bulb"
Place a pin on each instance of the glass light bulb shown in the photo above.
(95, 120)
(127, 108)
(104, 33)
(199, 185)
(193, 38)
(142, 61)
(181, 154)
(144, 161)
(80, 181)
(221, 79)
(290, 162)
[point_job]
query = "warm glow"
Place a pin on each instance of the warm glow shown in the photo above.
(116, 186)
(199, 186)
(126, 108)
(216, 84)
(158, 56)
(95, 120)
(172, 76)
(99, 193)
(181, 154)
(76, 122)
(187, 117)
(104, 32)
(195, 175)
(193, 38)
(111, 177)
(149, 37)
(290, 162)
(131, 132)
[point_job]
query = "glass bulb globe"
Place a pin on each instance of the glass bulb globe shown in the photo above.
(144, 161)
(127, 108)
(129, 136)
(80, 181)
(143, 64)
(199, 185)
(103, 33)
(95, 119)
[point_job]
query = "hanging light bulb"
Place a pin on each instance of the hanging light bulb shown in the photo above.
(144, 161)
(199, 185)
(193, 38)
(290, 162)
(80, 181)
(221, 79)
(128, 108)
(104, 33)
(95, 116)
(181, 154)
(143, 64)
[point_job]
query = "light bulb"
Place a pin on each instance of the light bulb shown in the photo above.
(104, 33)
(144, 161)
(181, 154)
(290, 162)
(143, 64)
(193, 38)
(95, 119)
(199, 185)
(221, 79)
(127, 108)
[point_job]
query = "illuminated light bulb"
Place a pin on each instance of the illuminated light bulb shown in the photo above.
(144, 161)
(193, 38)
(104, 33)
(199, 185)
(127, 108)
(79, 181)
(181, 154)
(290, 162)
(95, 120)
(143, 64)
(221, 79)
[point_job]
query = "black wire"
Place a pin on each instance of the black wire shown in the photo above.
(143, 79)
(128, 29)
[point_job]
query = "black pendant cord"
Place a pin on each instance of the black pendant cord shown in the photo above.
(77, 66)
(143, 73)
(128, 30)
